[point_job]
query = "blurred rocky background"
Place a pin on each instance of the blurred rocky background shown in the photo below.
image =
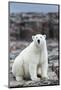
(21, 28)
(24, 25)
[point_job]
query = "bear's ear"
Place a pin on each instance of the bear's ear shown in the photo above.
(44, 36)
(33, 37)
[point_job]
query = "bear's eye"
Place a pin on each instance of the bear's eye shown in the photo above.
(40, 37)
(36, 37)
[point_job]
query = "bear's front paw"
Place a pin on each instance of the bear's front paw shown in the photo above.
(19, 78)
(45, 77)
(35, 79)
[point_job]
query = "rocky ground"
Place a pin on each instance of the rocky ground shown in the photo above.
(53, 59)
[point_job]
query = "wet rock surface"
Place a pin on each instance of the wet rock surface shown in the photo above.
(53, 61)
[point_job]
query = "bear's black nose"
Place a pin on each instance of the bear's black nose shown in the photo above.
(38, 41)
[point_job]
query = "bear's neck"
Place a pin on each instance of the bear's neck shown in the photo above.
(38, 49)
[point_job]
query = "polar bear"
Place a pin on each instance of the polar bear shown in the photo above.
(32, 60)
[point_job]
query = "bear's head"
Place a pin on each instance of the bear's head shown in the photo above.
(39, 39)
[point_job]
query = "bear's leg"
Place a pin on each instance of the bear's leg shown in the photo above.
(39, 71)
(19, 78)
(33, 72)
(44, 70)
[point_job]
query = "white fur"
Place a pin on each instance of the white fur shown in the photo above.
(32, 60)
